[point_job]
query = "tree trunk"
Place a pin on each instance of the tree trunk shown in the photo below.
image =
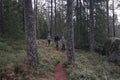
(87, 13)
(35, 10)
(107, 8)
(113, 20)
(30, 29)
(78, 21)
(48, 15)
(80, 11)
(1, 19)
(77, 15)
(70, 36)
(51, 28)
(62, 14)
(77, 12)
(23, 15)
(91, 32)
(36, 17)
(55, 19)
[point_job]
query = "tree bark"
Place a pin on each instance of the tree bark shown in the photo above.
(107, 8)
(113, 20)
(36, 17)
(70, 34)
(80, 21)
(91, 32)
(62, 14)
(35, 10)
(55, 19)
(1, 19)
(30, 29)
(51, 28)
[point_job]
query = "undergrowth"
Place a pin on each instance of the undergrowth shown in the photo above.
(91, 66)
(87, 66)
(14, 64)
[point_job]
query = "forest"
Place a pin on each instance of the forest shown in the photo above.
(59, 39)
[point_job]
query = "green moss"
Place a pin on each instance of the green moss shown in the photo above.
(87, 66)
(91, 66)
(48, 58)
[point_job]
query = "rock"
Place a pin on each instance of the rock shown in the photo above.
(111, 49)
(111, 45)
(115, 56)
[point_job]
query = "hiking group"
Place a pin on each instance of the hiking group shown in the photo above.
(57, 40)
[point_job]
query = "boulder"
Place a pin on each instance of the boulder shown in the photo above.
(112, 49)
(114, 56)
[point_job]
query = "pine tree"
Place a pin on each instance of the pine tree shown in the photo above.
(51, 27)
(107, 8)
(30, 29)
(1, 19)
(55, 18)
(70, 32)
(91, 29)
(113, 19)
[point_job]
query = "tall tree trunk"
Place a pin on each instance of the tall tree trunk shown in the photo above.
(36, 17)
(35, 10)
(113, 20)
(30, 29)
(23, 15)
(55, 19)
(1, 19)
(51, 28)
(70, 36)
(87, 13)
(80, 10)
(91, 32)
(77, 12)
(107, 8)
(77, 20)
(48, 14)
(62, 14)
(80, 21)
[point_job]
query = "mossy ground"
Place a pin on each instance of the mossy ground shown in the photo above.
(13, 56)
(92, 66)
(88, 66)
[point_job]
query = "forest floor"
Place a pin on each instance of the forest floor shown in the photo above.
(53, 64)
(60, 73)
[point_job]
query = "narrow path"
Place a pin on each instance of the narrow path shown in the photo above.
(60, 73)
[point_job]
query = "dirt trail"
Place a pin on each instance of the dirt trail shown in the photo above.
(60, 73)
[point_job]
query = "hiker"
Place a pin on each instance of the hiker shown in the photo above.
(56, 39)
(49, 39)
(63, 43)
